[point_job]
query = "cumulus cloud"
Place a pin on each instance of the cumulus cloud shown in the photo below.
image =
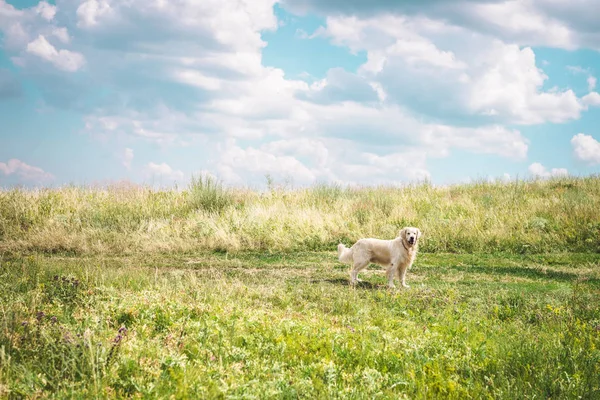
(235, 162)
(45, 10)
(340, 85)
(163, 173)
(538, 170)
(62, 34)
(202, 24)
(450, 73)
(26, 172)
(179, 72)
(90, 11)
(306, 161)
(63, 59)
(586, 149)
(591, 99)
(562, 24)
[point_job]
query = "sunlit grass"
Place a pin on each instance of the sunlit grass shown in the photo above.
(216, 292)
(280, 326)
(520, 217)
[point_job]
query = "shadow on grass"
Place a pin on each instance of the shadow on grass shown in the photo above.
(527, 272)
(346, 282)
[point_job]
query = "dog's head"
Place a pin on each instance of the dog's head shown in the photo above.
(410, 235)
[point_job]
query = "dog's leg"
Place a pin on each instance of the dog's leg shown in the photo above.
(390, 272)
(402, 275)
(358, 266)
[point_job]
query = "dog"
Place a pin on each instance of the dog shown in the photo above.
(396, 255)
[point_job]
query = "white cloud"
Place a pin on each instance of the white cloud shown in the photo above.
(25, 171)
(231, 24)
(586, 148)
(591, 99)
(163, 172)
(508, 84)
(89, 12)
(62, 34)
(306, 161)
(445, 71)
(538, 170)
(197, 78)
(63, 59)
(11, 27)
(235, 162)
(520, 21)
(553, 23)
(45, 10)
(591, 81)
(127, 158)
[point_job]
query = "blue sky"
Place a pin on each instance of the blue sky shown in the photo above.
(354, 92)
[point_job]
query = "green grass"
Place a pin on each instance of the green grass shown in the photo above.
(281, 325)
(215, 292)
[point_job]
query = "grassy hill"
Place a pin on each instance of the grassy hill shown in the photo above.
(518, 217)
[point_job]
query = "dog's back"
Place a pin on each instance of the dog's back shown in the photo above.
(375, 250)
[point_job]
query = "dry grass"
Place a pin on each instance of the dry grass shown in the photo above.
(519, 217)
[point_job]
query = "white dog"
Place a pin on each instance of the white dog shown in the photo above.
(396, 255)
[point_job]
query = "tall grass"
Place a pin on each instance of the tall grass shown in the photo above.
(519, 217)
(207, 193)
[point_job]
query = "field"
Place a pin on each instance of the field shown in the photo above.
(210, 292)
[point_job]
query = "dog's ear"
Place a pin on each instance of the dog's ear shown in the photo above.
(402, 233)
(418, 233)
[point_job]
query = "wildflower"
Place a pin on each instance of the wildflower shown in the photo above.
(40, 315)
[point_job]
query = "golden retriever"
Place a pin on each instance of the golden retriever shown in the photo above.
(396, 255)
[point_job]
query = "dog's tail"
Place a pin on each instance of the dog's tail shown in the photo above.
(344, 254)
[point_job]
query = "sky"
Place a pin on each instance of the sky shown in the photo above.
(304, 91)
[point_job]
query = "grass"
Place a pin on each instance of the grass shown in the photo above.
(520, 217)
(211, 292)
(213, 325)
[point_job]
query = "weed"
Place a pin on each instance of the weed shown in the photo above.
(207, 193)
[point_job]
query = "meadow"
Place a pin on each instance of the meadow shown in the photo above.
(214, 292)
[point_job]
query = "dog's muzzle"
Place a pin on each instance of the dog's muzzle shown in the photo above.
(411, 240)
